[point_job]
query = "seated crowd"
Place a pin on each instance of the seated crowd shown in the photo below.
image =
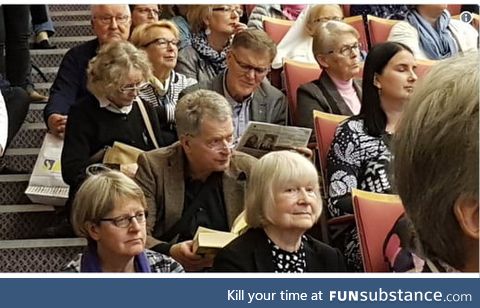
(184, 90)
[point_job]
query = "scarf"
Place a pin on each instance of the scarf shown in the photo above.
(218, 60)
(291, 11)
(91, 262)
(437, 42)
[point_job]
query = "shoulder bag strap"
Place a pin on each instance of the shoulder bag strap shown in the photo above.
(148, 124)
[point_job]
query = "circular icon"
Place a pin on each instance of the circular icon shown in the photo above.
(466, 17)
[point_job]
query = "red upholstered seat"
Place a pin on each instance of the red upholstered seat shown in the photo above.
(379, 29)
(276, 28)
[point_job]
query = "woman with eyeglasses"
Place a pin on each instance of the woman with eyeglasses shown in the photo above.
(360, 153)
(337, 51)
(282, 202)
(144, 14)
(297, 43)
(111, 112)
(160, 41)
(212, 29)
(110, 211)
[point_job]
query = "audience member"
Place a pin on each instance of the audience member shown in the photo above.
(144, 14)
(337, 51)
(279, 11)
(212, 30)
(160, 40)
(110, 23)
(251, 96)
(432, 34)
(196, 182)
(360, 152)
(297, 43)
(383, 11)
(436, 164)
(110, 211)
(282, 202)
(42, 27)
(179, 18)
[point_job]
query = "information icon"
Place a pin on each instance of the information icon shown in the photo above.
(466, 17)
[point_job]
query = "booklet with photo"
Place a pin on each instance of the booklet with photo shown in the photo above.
(260, 138)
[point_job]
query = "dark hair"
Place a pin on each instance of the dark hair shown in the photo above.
(371, 111)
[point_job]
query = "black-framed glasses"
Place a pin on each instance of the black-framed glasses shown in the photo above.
(163, 43)
(229, 9)
(126, 220)
(107, 20)
(347, 50)
(246, 68)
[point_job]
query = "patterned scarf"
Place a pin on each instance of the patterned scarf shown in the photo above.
(291, 11)
(216, 59)
(437, 42)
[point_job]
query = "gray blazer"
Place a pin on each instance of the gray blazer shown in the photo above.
(192, 65)
(161, 176)
(268, 105)
(322, 95)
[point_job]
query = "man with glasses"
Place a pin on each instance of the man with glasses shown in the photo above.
(243, 83)
(144, 13)
(198, 181)
(109, 23)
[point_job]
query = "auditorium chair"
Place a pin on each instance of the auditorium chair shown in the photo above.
(359, 25)
(276, 28)
(379, 29)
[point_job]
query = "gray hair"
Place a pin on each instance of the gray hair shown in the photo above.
(326, 35)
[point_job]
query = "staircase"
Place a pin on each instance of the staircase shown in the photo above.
(21, 249)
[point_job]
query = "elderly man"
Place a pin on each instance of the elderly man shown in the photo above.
(109, 23)
(197, 181)
(251, 96)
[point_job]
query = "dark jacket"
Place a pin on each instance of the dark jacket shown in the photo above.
(191, 64)
(251, 252)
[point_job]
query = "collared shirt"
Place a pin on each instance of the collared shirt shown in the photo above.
(3, 125)
(105, 103)
(241, 111)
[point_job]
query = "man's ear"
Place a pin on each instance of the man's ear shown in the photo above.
(466, 212)
(376, 83)
(185, 141)
(93, 231)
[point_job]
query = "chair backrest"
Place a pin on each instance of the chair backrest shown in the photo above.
(276, 28)
(379, 29)
(375, 215)
(454, 9)
(359, 25)
(346, 9)
(296, 74)
(325, 126)
(423, 67)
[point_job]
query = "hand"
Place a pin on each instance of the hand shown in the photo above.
(239, 27)
(56, 124)
(129, 169)
(183, 253)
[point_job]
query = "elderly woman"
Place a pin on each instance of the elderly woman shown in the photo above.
(297, 43)
(360, 153)
(110, 211)
(436, 165)
(337, 50)
(160, 41)
(144, 14)
(432, 34)
(111, 112)
(282, 202)
(212, 30)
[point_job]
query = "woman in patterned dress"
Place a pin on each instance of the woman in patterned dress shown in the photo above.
(360, 152)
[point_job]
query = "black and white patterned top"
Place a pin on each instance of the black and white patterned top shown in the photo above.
(158, 262)
(356, 160)
(289, 262)
(177, 82)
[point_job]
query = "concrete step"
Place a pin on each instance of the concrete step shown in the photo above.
(35, 113)
(67, 42)
(49, 72)
(43, 87)
(63, 15)
(30, 135)
(68, 7)
(12, 189)
(73, 28)
(21, 160)
(41, 255)
(24, 221)
(47, 57)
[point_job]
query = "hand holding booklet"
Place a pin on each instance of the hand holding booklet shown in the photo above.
(260, 138)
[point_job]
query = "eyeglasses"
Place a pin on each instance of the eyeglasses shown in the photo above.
(246, 68)
(107, 20)
(325, 19)
(147, 10)
(219, 145)
(126, 221)
(229, 9)
(129, 88)
(348, 49)
(163, 43)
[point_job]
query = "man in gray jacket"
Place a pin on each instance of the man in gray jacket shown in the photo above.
(244, 85)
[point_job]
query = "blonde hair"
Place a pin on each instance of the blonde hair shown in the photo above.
(255, 40)
(110, 67)
(98, 195)
(267, 176)
(315, 11)
(141, 33)
(326, 36)
(436, 155)
(196, 15)
(194, 107)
